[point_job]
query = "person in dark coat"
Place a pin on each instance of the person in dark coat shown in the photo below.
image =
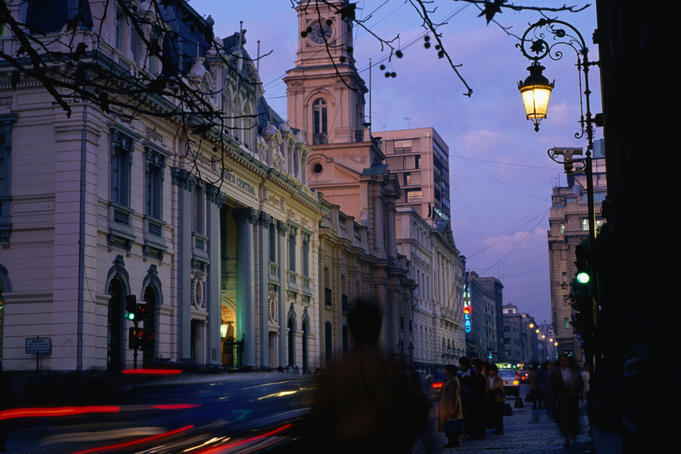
(473, 386)
(365, 403)
(544, 389)
(567, 388)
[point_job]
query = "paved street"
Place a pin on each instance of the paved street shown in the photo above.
(521, 436)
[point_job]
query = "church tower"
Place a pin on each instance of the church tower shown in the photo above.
(325, 92)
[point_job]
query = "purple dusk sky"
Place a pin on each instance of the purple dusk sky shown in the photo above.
(501, 177)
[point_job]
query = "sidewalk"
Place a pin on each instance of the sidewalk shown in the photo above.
(521, 436)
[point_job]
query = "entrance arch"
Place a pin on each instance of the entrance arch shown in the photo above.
(118, 288)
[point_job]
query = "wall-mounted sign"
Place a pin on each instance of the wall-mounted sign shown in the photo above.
(467, 309)
(38, 346)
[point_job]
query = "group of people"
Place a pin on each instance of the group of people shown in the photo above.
(474, 394)
(560, 388)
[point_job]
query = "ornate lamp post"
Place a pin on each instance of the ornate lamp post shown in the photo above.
(543, 39)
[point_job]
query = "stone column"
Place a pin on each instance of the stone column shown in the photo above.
(264, 224)
(214, 297)
(282, 228)
(185, 182)
(245, 290)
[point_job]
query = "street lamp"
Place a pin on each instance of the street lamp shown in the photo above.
(536, 89)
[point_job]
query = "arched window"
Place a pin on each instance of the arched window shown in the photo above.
(320, 121)
(291, 342)
(306, 332)
(114, 353)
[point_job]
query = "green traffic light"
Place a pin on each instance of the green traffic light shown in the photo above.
(131, 316)
(583, 277)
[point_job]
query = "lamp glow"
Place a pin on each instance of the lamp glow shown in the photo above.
(536, 91)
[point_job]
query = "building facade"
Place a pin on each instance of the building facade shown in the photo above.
(437, 270)
(568, 227)
(481, 337)
(420, 159)
(326, 99)
(493, 289)
(98, 209)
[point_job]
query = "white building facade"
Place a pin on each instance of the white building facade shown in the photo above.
(219, 238)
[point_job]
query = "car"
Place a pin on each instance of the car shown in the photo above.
(511, 382)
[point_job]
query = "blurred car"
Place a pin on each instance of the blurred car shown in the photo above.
(523, 376)
(511, 382)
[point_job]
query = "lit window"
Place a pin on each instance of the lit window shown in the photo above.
(585, 224)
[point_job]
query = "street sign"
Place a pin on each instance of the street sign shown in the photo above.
(38, 346)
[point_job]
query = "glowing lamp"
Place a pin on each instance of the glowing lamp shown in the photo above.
(536, 91)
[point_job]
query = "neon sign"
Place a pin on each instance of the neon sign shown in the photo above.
(467, 309)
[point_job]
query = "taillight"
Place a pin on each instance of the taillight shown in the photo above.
(437, 385)
(515, 382)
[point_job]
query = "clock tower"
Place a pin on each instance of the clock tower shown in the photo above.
(325, 92)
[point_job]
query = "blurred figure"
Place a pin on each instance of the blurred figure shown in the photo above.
(365, 403)
(567, 389)
(586, 391)
(450, 407)
(496, 397)
(474, 410)
(544, 387)
(534, 385)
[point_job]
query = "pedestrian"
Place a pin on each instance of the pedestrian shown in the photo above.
(544, 387)
(365, 403)
(475, 414)
(450, 407)
(586, 391)
(567, 388)
(532, 377)
(496, 398)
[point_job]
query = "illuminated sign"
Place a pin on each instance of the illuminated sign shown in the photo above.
(467, 309)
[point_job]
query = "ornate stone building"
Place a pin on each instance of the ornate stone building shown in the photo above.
(326, 99)
(219, 238)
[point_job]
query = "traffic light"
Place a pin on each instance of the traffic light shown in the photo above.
(583, 277)
(140, 338)
(131, 307)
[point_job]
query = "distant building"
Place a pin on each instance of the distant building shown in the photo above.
(493, 288)
(481, 335)
(568, 226)
(420, 159)
(513, 332)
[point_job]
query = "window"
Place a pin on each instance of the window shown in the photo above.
(120, 29)
(154, 184)
(199, 205)
(585, 224)
(273, 243)
(292, 253)
(5, 172)
(319, 120)
(121, 162)
(413, 195)
(328, 341)
(306, 256)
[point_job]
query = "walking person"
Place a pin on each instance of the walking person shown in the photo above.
(567, 389)
(545, 392)
(365, 403)
(496, 398)
(480, 408)
(474, 411)
(450, 407)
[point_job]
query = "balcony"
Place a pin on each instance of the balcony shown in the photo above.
(273, 272)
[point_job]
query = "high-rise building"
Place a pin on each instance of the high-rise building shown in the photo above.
(420, 159)
(568, 227)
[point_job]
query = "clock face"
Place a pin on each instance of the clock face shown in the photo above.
(320, 32)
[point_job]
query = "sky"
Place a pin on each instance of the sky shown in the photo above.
(500, 175)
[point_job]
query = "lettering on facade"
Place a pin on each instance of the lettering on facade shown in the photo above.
(154, 135)
(238, 182)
